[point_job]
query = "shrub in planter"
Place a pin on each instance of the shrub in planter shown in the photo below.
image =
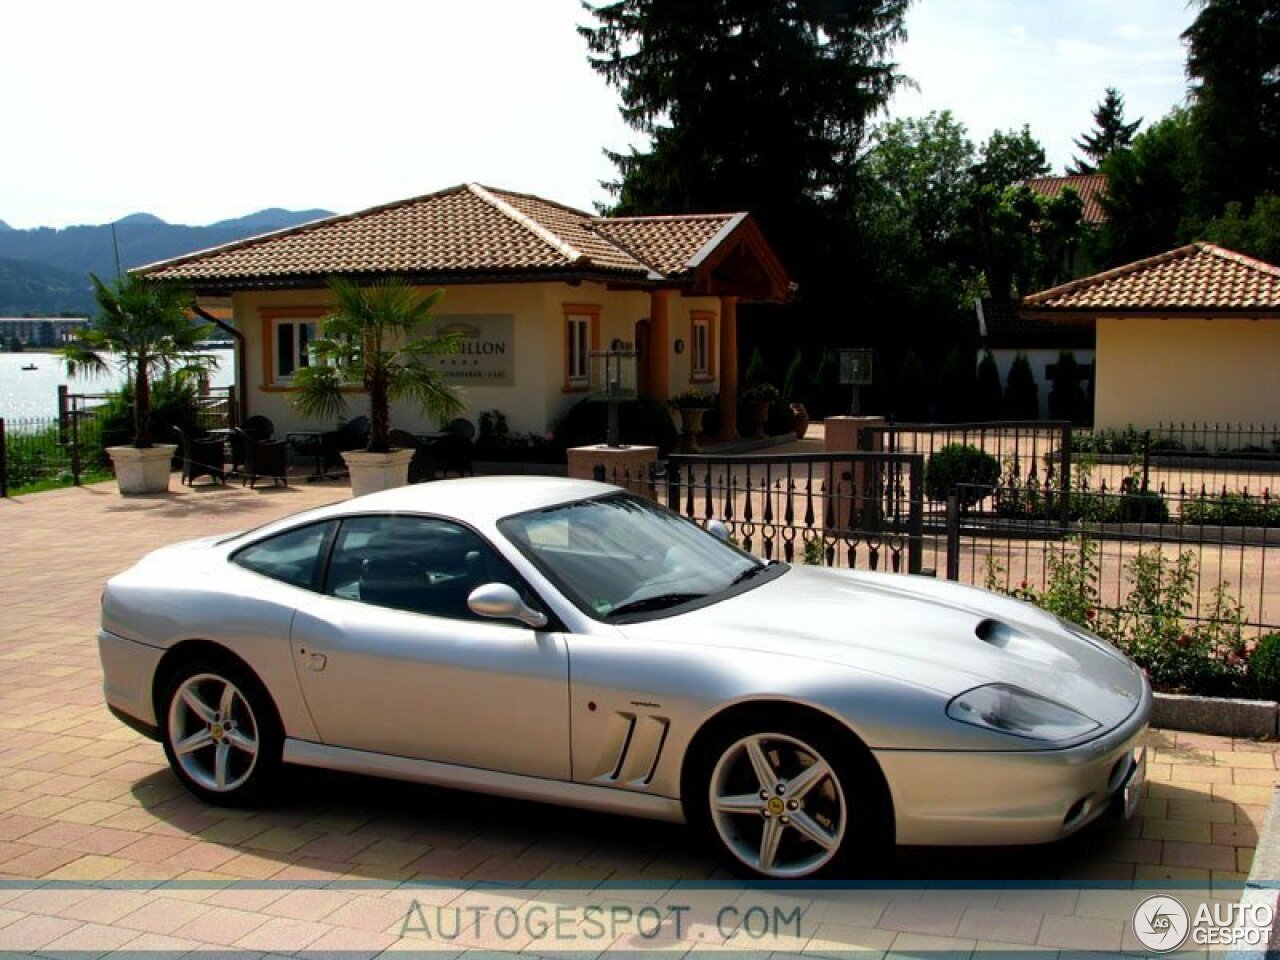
(173, 404)
(642, 421)
(1264, 667)
(1233, 510)
(957, 464)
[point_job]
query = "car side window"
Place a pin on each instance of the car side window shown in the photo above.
(417, 564)
(292, 557)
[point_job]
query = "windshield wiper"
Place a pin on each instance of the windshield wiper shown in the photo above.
(659, 602)
(750, 572)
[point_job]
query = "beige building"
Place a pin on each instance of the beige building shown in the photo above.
(533, 288)
(1192, 335)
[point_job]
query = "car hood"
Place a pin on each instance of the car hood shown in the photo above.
(935, 634)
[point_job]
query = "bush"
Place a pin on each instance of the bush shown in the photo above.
(988, 394)
(1264, 667)
(957, 464)
(1232, 510)
(643, 421)
(174, 403)
(956, 386)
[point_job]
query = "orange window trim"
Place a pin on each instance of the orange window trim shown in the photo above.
(707, 317)
(269, 316)
(592, 312)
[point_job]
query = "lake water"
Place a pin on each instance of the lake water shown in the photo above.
(34, 393)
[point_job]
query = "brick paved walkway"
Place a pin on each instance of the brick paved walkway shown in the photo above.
(101, 850)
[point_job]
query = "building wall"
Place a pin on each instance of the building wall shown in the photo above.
(1153, 371)
(536, 396)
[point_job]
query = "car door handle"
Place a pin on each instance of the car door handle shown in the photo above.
(316, 662)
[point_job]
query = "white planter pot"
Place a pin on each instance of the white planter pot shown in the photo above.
(142, 470)
(371, 472)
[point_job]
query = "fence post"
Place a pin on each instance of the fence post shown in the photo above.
(75, 447)
(673, 485)
(915, 516)
(953, 537)
(1065, 475)
(4, 462)
(62, 413)
(1146, 459)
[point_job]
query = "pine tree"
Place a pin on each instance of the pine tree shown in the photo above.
(757, 105)
(1021, 395)
(1110, 133)
(988, 394)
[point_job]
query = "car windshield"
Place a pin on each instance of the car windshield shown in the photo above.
(618, 556)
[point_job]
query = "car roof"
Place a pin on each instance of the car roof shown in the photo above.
(482, 500)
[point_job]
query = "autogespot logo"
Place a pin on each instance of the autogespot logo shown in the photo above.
(1161, 923)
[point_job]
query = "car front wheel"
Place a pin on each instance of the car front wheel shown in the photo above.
(220, 733)
(790, 804)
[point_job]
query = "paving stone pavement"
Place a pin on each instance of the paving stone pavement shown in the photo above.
(102, 852)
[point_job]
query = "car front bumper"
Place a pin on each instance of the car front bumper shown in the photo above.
(1014, 797)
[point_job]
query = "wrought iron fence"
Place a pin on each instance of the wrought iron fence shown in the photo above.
(61, 450)
(1228, 548)
(1186, 459)
(837, 509)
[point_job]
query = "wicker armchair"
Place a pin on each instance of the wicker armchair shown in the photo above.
(201, 457)
(263, 458)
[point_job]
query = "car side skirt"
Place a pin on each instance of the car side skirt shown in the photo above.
(580, 795)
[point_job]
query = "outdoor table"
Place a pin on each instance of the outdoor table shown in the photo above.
(310, 443)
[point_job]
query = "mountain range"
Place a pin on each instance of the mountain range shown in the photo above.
(45, 271)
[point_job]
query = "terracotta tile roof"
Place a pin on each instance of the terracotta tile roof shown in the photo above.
(1199, 277)
(465, 230)
(1091, 187)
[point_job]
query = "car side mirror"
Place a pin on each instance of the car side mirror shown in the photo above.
(499, 601)
(718, 530)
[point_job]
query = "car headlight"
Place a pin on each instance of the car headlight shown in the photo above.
(1018, 713)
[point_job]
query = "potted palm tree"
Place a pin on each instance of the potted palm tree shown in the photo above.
(376, 338)
(144, 329)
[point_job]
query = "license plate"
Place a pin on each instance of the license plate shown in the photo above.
(1133, 783)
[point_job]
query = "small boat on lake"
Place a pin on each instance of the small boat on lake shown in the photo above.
(30, 366)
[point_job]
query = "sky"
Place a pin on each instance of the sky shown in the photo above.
(198, 112)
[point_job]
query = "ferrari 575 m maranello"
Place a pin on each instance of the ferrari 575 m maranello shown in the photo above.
(565, 641)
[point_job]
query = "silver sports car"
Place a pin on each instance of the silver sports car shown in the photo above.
(564, 641)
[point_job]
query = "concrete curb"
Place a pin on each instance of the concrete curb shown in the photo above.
(1263, 885)
(1218, 715)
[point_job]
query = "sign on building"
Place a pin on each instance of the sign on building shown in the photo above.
(488, 354)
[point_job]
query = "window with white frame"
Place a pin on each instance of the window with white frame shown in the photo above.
(292, 348)
(580, 337)
(701, 363)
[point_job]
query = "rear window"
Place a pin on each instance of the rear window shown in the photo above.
(291, 557)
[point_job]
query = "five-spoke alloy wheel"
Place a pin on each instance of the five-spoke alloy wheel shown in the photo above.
(220, 732)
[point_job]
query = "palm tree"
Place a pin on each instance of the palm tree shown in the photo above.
(373, 337)
(144, 329)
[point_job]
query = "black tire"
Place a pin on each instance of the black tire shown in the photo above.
(220, 730)
(848, 806)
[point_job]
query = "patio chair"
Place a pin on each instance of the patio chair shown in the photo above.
(423, 465)
(453, 450)
(351, 435)
(259, 428)
(201, 457)
(263, 458)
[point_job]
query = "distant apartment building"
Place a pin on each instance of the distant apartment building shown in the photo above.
(38, 332)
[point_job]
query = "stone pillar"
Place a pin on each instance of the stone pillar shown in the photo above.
(660, 345)
(728, 367)
(628, 467)
(855, 487)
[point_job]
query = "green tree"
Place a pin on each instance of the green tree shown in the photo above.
(794, 380)
(1066, 397)
(956, 385)
(1257, 234)
(988, 397)
(376, 337)
(1009, 157)
(144, 329)
(1110, 133)
(1021, 395)
(1233, 63)
(1149, 191)
(913, 389)
(757, 105)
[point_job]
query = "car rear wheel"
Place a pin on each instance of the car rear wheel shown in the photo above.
(790, 802)
(220, 733)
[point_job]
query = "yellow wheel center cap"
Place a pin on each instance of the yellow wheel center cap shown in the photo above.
(775, 805)
(216, 731)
